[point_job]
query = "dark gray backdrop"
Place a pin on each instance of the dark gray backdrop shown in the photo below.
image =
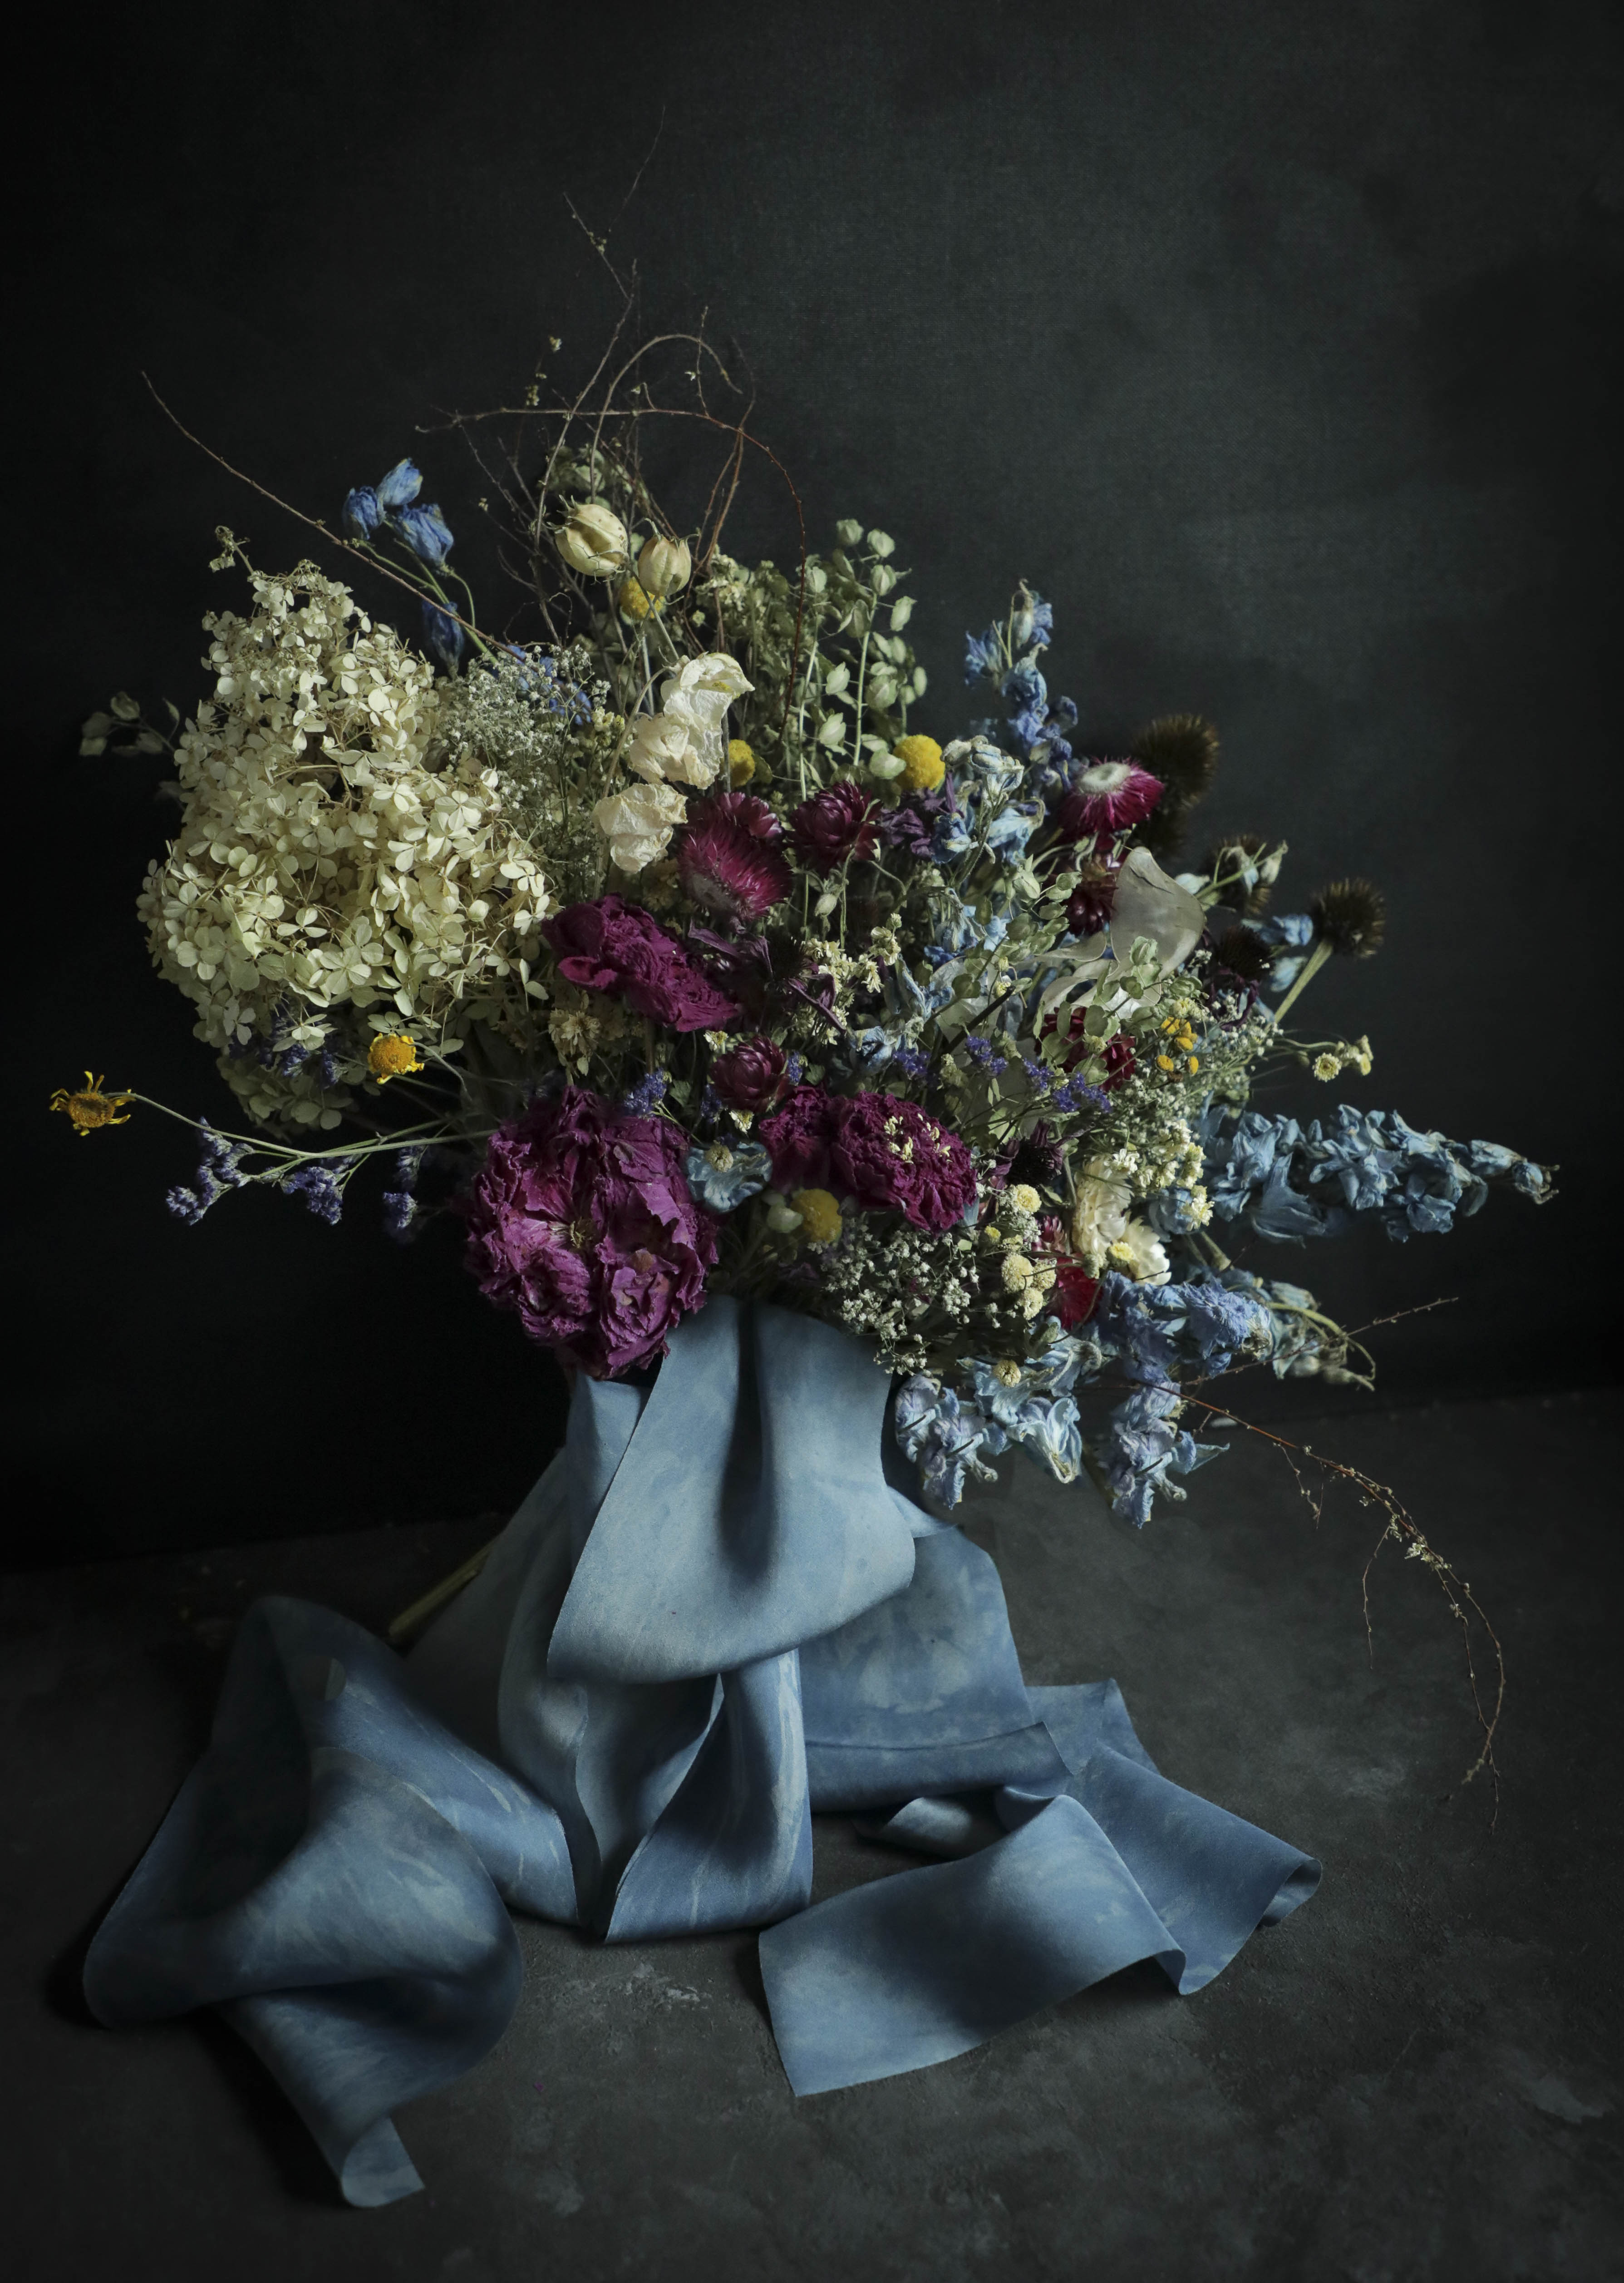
(1274, 341)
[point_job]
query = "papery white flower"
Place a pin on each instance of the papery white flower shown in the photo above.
(593, 540)
(1138, 1253)
(638, 823)
(1098, 1215)
(665, 749)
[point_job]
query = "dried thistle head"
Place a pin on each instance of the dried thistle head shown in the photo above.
(1238, 852)
(1182, 749)
(1351, 915)
(1162, 831)
(1244, 955)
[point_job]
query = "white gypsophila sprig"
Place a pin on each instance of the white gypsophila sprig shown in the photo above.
(322, 870)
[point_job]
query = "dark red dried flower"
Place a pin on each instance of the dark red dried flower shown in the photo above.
(750, 1075)
(1074, 1292)
(727, 856)
(841, 821)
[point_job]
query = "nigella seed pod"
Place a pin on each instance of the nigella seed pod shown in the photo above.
(594, 542)
(1350, 915)
(663, 567)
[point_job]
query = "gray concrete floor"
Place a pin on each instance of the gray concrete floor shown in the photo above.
(1416, 2078)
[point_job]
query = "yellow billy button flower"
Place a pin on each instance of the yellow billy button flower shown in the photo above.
(392, 1056)
(89, 1105)
(741, 762)
(923, 767)
(821, 1221)
(635, 601)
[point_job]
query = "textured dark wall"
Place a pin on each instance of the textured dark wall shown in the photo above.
(1273, 342)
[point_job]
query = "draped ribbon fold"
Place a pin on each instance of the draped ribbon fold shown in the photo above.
(714, 1614)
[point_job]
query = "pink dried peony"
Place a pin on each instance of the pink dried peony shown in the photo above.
(728, 859)
(750, 1075)
(840, 821)
(891, 1155)
(612, 946)
(581, 1221)
(798, 1139)
(1106, 796)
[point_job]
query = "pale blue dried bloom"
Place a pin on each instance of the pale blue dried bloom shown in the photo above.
(442, 636)
(723, 1176)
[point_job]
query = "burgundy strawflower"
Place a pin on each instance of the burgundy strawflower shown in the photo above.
(831, 825)
(1106, 797)
(1119, 1063)
(891, 1155)
(728, 858)
(798, 1139)
(750, 1075)
(581, 1221)
(610, 945)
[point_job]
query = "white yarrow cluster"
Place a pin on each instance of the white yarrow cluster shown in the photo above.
(325, 882)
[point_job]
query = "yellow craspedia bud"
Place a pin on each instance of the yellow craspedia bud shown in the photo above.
(923, 767)
(392, 1056)
(821, 1221)
(741, 762)
(633, 601)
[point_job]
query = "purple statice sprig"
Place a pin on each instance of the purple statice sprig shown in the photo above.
(643, 1099)
(320, 1189)
(219, 1168)
(986, 1056)
(912, 1062)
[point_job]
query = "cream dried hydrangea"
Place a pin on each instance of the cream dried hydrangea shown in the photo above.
(325, 880)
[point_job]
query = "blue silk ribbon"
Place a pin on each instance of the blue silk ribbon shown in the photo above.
(714, 1614)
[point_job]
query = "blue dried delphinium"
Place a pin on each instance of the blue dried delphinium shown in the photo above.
(1263, 1172)
(425, 530)
(442, 636)
(943, 1435)
(402, 1206)
(1142, 1447)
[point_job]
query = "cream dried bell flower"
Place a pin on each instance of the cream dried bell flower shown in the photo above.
(594, 542)
(663, 567)
(638, 823)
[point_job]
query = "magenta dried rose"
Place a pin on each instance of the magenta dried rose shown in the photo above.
(798, 1139)
(728, 859)
(750, 1076)
(891, 1155)
(612, 946)
(582, 1222)
(840, 821)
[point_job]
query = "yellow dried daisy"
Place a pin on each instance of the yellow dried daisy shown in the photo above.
(741, 762)
(392, 1054)
(88, 1106)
